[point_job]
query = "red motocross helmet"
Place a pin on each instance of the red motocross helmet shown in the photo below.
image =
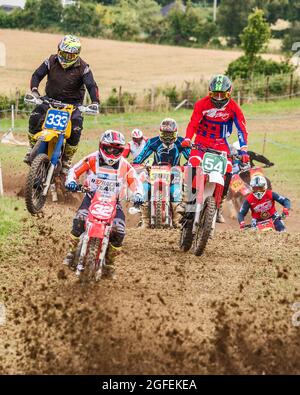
(111, 146)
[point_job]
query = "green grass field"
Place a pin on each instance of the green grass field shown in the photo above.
(11, 213)
(282, 148)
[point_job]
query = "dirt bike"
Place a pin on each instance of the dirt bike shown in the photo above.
(198, 225)
(161, 178)
(239, 187)
(46, 155)
(265, 225)
(91, 252)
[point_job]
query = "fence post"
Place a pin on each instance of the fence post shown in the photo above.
(264, 143)
(267, 89)
(17, 101)
(239, 98)
(187, 93)
(1, 181)
(119, 99)
(12, 117)
(291, 85)
(152, 98)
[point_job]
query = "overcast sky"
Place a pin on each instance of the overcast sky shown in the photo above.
(20, 3)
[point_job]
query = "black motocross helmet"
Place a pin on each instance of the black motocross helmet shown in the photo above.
(220, 89)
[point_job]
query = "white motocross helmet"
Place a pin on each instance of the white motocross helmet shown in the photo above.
(137, 136)
(111, 146)
(259, 186)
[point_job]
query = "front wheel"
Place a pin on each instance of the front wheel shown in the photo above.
(204, 229)
(186, 236)
(91, 264)
(34, 198)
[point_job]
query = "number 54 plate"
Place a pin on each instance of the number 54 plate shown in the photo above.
(57, 120)
(213, 162)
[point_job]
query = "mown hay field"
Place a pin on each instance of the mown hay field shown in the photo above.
(134, 66)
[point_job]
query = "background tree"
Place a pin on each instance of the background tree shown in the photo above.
(256, 35)
(50, 13)
(150, 19)
(232, 18)
(82, 19)
(125, 24)
(188, 27)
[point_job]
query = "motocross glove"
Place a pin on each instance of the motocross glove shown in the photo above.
(186, 143)
(138, 199)
(35, 93)
(242, 225)
(94, 107)
(245, 158)
(285, 212)
(72, 186)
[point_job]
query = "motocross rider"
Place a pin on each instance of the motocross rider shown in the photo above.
(212, 123)
(261, 202)
(67, 76)
(108, 157)
(136, 145)
(167, 148)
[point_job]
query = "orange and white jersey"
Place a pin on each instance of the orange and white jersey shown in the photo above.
(109, 180)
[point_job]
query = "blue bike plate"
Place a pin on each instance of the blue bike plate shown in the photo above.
(57, 120)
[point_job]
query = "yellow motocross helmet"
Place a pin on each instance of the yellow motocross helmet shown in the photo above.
(68, 50)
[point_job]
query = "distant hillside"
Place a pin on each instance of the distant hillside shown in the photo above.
(134, 66)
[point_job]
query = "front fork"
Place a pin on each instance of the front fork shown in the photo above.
(53, 162)
(101, 258)
(210, 189)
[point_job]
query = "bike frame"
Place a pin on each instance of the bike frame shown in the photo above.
(52, 142)
(98, 225)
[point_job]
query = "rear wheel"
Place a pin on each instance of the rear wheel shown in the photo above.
(205, 227)
(34, 187)
(91, 260)
(159, 212)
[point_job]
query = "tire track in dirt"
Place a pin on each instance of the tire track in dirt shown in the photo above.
(228, 311)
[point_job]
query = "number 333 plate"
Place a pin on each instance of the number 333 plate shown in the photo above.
(57, 120)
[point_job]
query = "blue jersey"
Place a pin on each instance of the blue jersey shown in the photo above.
(162, 153)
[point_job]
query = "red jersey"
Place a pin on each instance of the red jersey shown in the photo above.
(262, 208)
(212, 126)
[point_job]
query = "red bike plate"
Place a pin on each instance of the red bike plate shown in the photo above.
(102, 210)
(266, 225)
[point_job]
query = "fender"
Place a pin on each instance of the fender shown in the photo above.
(216, 177)
(46, 135)
(96, 230)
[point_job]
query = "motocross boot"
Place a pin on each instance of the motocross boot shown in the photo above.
(109, 266)
(220, 218)
(68, 154)
(177, 214)
(144, 220)
(69, 258)
(31, 141)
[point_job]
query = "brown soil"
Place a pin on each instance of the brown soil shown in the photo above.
(228, 311)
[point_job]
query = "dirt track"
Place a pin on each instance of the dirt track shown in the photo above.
(168, 312)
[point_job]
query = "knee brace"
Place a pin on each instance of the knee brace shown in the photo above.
(78, 226)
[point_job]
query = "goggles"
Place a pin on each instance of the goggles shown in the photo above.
(68, 56)
(258, 189)
(220, 95)
(115, 151)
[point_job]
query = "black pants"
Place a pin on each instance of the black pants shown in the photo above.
(118, 229)
(38, 115)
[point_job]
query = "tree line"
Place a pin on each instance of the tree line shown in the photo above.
(187, 23)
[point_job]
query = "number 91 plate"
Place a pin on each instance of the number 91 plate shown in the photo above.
(57, 120)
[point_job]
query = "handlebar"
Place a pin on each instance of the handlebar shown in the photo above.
(31, 99)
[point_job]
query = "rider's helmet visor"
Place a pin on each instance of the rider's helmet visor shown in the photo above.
(220, 95)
